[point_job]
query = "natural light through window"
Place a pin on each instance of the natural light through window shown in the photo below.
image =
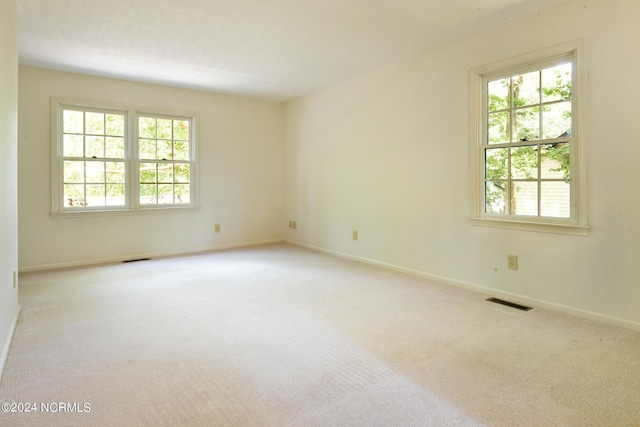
(93, 146)
(526, 141)
(165, 171)
(527, 150)
(97, 165)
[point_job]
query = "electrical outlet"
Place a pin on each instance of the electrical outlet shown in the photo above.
(216, 228)
(512, 262)
(355, 234)
(293, 225)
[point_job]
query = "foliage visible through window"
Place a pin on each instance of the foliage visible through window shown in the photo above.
(98, 167)
(94, 159)
(527, 143)
(163, 150)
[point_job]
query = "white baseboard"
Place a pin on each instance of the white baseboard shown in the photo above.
(7, 344)
(515, 297)
(118, 259)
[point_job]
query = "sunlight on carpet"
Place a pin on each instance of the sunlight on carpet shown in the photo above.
(279, 335)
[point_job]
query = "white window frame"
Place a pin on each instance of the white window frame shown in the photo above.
(132, 186)
(576, 224)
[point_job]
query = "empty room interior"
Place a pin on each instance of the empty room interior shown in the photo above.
(341, 212)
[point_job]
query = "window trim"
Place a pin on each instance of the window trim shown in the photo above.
(577, 223)
(132, 203)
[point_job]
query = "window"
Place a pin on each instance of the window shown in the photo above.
(165, 169)
(527, 143)
(93, 159)
(98, 167)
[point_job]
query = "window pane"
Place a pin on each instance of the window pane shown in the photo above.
(115, 148)
(73, 195)
(555, 161)
(147, 127)
(115, 124)
(555, 199)
(526, 89)
(524, 162)
(524, 198)
(115, 195)
(495, 197)
(73, 172)
(165, 149)
(94, 146)
(147, 194)
(95, 172)
(94, 123)
(181, 150)
(556, 83)
(165, 194)
(148, 173)
(147, 148)
(556, 120)
(181, 173)
(72, 121)
(499, 127)
(115, 172)
(165, 127)
(181, 130)
(95, 158)
(498, 95)
(182, 193)
(95, 194)
(165, 172)
(73, 146)
(527, 126)
(496, 161)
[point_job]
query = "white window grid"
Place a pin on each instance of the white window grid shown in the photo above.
(131, 159)
(576, 223)
(510, 182)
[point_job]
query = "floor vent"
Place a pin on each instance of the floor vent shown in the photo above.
(510, 304)
(136, 260)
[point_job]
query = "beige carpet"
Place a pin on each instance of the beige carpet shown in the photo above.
(282, 336)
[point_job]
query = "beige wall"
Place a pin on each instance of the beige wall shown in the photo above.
(387, 154)
(240, 154)
(8, 174)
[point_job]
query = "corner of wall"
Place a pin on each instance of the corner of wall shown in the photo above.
(4, 356)
(9, 176)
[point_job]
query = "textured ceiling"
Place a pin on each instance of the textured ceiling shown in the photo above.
(270, 49)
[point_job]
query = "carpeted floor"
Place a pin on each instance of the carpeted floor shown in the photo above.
(282, 336)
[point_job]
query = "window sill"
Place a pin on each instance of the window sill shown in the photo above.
(541, 227)
(118, 212)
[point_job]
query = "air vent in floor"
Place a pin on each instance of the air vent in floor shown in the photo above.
(509, 304)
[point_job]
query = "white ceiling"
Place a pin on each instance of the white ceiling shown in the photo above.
(270, 49)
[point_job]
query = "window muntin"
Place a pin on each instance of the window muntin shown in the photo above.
(93, 160)
(119, 160)
(527, 142)
(540, 187)
(164, 168)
